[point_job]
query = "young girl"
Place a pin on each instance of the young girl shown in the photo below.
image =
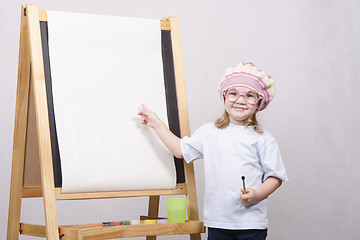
(233, 146)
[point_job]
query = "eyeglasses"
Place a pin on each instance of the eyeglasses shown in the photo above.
(251, 97)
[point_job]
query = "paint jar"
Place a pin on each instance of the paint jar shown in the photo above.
(176, 208)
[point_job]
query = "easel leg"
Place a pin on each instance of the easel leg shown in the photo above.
(153, 211)
(196, 236)
(42, 123)
(192, 205)
(22, 101)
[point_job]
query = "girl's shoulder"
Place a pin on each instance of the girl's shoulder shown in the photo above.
(204, 129)
(266, 138)
(267, 134)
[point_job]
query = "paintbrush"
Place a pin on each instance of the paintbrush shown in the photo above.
(243, 179)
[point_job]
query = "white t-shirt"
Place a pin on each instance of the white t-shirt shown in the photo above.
(229, 154)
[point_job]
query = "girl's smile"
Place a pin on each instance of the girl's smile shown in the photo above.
(240, 108)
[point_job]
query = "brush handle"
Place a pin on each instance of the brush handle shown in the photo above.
(243, 179)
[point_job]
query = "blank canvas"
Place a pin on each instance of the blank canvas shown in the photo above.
(103, 68)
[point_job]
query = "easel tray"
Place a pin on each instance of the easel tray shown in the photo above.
(97, 231)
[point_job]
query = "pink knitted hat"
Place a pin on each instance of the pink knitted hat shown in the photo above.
(247, 75)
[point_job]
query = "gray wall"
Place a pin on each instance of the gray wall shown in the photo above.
(310, 47)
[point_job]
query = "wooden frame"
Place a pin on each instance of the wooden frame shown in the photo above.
(31, 81)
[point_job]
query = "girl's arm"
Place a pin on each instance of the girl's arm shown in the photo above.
(172, 142)
(251, 196)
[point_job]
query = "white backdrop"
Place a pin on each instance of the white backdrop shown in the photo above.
(310, 47)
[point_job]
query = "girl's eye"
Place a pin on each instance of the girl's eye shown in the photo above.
(232, 93)
(251, 95)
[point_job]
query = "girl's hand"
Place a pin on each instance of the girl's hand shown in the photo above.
(251, 196)
(148, 117)
(171, 141)
(248, 197)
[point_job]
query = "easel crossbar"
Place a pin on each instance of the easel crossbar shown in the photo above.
(165, 23)
(32, 192)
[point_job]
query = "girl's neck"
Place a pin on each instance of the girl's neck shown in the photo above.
(238, 123)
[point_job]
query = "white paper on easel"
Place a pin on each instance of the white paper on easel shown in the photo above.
(103, 68)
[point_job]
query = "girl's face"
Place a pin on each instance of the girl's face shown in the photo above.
(240, 109)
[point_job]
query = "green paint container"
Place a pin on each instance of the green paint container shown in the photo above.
(176, 208)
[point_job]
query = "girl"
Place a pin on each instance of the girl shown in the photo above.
(233, 146)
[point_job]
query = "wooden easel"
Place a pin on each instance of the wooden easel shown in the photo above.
(31, 94)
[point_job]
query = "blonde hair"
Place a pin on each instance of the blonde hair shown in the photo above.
(224, 121)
